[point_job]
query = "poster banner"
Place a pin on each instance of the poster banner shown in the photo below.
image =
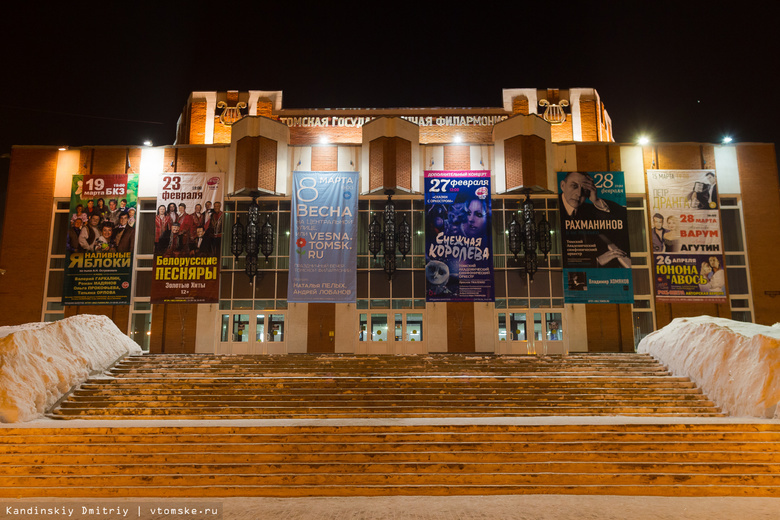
(685, 234)
(188, 238)
(323, 253)
(594, 226)
(458, 237)
(101, 240)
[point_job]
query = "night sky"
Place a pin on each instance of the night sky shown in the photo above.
(80, 74)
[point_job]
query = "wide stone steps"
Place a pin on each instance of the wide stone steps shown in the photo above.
(343, 386)
(384, 459)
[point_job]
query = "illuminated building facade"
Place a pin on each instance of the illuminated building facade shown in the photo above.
(257, 144)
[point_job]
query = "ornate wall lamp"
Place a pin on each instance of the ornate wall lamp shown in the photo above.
(255, 239)
(529, 235)
(393, 237)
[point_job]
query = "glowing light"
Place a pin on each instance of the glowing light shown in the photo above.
(644, 140)
(147, 143)
(727, 140)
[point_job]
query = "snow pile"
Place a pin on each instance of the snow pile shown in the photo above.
(736, 364)
(40, 362)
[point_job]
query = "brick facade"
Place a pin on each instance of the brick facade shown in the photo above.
(26, 231)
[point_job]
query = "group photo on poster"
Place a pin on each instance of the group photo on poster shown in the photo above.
(458, 236)
(188, 238)
(685, 235)
(323, 253)
(595, 239)
(101, 239)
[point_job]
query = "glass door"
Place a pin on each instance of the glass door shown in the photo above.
(409, 333)
(251, 332)
(531, 331)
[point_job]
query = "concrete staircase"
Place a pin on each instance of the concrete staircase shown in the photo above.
(318, 387)
(398, 459)
(388, 425)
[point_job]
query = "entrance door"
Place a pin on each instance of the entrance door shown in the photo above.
(409, 337)
(391, 332)
(251, 332)
(531, 331)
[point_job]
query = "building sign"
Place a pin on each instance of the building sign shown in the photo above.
(188, 238)
(685, 234)
(323, 249)
(359, 121)
(101, 240)
(458, 237)
(594, 226)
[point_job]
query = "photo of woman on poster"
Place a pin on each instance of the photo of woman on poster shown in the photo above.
(672, 235)
(714, 274)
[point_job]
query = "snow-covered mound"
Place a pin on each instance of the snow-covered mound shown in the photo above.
(40, 362)
(736, 364)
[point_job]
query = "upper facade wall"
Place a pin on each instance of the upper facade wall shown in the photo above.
(207, 117)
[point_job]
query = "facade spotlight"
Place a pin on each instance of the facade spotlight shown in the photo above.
(644, 140)
(727, 140)
(147, 143)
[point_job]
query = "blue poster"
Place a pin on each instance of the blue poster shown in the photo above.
(323, 251)
(458, 237)
(594, 226)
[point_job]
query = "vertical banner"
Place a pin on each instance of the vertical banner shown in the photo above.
(323, 252)
(685, 233)
(458, 237)
(594, 225)
(101, 240)
(188, 238)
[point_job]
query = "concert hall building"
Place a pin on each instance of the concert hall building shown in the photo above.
(256, 144)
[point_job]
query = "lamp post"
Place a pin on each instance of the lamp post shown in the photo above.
(529, 235)
(254, 239)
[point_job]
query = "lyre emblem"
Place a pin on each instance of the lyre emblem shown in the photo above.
(230, 115)
(553, 113)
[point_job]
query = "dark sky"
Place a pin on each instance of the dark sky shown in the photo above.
(86, 74)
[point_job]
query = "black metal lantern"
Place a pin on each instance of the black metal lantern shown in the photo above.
(515, 237)
(404, 237)
(529, 236)
(237, 239)
(390, 239)
(374, 237)
(253, 239)
(529, 232)
(544, 237)
(267, 238)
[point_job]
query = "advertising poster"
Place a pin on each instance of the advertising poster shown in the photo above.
(323, 252)
(685, 235)
(188, 238)
(594, 227)
(458, 237)
(101, 240)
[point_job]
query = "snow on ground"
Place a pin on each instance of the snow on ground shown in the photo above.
(460, 507)
(736, 364)
(40, 362)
